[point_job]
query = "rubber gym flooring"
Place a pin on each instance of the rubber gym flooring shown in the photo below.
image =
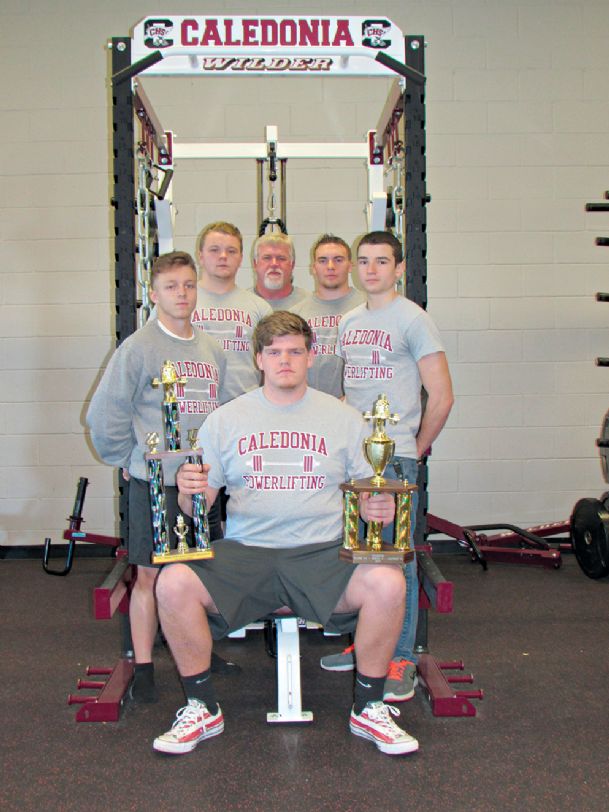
(537, 642)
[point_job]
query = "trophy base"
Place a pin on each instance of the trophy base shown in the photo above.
(173, 556)
(388, 555)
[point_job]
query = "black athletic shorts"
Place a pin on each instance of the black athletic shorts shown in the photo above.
(247, 583)
(139, 543)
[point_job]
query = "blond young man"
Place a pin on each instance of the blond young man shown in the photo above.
(225, 311)
(125, 407)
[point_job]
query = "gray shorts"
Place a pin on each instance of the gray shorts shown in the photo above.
(139, 543)
(247, 583)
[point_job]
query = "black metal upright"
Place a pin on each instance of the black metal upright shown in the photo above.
(123, 168)
(415, 197)
(415, 213)
(123, 195)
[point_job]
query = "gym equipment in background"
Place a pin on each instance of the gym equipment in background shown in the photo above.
(590, 517)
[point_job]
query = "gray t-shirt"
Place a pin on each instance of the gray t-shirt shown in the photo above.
(381, 349)
(323, 317)
(288, 302)
(283, 465)
(230, 318)
(125, 407)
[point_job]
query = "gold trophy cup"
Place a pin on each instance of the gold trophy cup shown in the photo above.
(378, 450)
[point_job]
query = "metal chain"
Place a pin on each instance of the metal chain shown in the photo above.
(145, 234)
(398, 196)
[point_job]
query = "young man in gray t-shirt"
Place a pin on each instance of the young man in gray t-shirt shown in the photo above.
(333, 297)
(282, 451)
(225, 311)
(390, 345)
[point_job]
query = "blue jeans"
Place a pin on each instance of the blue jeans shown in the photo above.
(406, 642)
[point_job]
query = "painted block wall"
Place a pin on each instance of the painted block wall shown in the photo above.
(517, 143)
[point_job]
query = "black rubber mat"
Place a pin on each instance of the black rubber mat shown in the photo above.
(537, 642)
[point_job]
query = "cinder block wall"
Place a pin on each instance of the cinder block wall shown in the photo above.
(517, 134)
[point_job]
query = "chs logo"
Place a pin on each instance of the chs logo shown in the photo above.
(375, 33)
(157, 33)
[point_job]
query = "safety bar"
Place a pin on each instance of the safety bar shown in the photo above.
(75, 522)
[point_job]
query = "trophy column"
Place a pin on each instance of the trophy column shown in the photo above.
(199, 502)
(162, 552)
(158, 507)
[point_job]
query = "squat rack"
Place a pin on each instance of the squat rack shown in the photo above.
(353, 46)
(232, 46)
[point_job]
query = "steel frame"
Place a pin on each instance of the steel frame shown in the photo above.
(405, 105)
(441, 687)
(516, 545)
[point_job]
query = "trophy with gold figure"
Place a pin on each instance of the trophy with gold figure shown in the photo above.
(162, 552)
(378, 449)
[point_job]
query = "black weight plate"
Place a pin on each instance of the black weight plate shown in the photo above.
(604, 451)
(590, 537)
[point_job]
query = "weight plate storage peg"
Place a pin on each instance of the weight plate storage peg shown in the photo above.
(590, 537)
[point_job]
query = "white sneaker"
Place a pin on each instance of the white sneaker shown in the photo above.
(193, 723)
(375, 723)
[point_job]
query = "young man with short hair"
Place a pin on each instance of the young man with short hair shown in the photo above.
(333, 297)
(273, 259)
(125, 408)
(283, 537)
(225, 311)
(389, 344)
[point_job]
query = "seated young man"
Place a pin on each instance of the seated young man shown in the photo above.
(281, 451)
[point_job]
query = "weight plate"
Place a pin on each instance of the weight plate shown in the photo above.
(603, 447)
(590, 537)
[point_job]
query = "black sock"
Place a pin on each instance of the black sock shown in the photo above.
(221, 666)
(201, 687)
(142, 688)
(367, 689)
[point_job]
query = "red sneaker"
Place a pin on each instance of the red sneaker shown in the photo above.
(193, 723)
(375, 723)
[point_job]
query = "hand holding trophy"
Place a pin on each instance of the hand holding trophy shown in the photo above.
(378, 449)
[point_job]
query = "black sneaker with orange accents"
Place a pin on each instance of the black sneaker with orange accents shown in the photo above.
(342, 661)
(401, 681)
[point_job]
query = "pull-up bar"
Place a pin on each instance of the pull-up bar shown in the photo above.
(136, 68)
(399, 67)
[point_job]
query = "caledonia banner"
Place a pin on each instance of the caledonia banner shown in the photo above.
(267, 45)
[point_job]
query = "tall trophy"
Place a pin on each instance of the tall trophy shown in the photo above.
(378, 449)
(162, 552)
